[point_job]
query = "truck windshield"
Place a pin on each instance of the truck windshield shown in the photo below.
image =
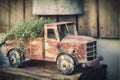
(66, 29)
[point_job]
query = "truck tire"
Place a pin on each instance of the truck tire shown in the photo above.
(14, 58)
(66, 64)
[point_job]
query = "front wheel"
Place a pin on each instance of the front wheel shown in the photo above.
(66, 64)
(14, 58)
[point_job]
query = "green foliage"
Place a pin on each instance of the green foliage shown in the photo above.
(28, 29)
(3, 41)
(21, 50)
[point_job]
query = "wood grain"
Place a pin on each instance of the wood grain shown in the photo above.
(109, 18)
(28, 9)
(16, 12)
(4, 15)
(87, 23)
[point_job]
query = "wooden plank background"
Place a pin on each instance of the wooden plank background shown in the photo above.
(98, 20)
(16, 12)
(109, 18)
(87, 23)
(71, 18)
(28, 9)
(4, 15)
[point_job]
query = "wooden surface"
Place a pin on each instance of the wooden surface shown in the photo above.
(38, 75)
(42, 70)
(39, 70)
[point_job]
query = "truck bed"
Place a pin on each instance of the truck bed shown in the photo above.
(34, 48)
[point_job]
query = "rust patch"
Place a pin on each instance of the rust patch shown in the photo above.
(9, 45)
(78, 48)
(51, 50)
(34, 49)
(77, 43)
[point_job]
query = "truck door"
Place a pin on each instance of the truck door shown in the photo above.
(51, 42)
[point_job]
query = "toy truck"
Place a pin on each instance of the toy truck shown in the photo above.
(61, 44)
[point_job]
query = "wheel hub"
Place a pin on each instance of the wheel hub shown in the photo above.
(64, 65)
(12, 60)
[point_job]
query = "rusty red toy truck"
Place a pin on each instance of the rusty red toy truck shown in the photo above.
(61, 44)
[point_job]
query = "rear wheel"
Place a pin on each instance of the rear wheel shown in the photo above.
(66, 64)
(14, 58)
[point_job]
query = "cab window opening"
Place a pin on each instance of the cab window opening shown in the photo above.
(51, 33)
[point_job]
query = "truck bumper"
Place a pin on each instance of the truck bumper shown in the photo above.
(94, 62)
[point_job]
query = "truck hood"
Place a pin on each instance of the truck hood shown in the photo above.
(77, 44)
(77, 39)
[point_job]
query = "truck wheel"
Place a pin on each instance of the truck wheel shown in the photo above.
(66, 64)
(14, 58)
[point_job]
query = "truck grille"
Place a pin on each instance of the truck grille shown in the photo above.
(91, 51)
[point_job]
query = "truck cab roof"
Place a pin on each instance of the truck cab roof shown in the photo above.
(57, 23)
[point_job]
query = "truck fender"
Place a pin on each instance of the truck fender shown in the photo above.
(9, 51)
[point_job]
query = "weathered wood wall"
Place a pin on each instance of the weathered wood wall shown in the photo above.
(28, 9)
(101, 18)
(109, 15)
(87, 23)
(13, 11)
(16, 12)
(4, 15)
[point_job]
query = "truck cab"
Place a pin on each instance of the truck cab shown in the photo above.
(61, 44)
(54, 35)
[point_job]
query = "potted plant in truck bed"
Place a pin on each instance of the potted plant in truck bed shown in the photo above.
(22, 35)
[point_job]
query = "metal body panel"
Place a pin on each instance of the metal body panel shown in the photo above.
(34, 49)
(77, 44)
